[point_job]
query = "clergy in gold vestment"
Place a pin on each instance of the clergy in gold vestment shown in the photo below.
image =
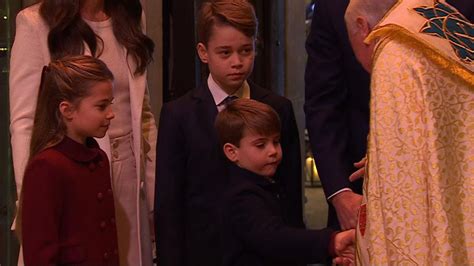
(418, 204)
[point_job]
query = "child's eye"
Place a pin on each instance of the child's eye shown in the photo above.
(104, 105)
(260, 145)
(246, 51)
(224, 53)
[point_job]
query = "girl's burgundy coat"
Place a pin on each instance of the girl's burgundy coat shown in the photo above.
(68, 214)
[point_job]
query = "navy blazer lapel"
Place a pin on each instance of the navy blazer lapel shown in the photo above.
(204, 99)
(205, 107)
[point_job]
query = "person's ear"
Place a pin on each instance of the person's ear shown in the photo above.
(231, 152)
(66, 109)
(202, 52)
(363, 27)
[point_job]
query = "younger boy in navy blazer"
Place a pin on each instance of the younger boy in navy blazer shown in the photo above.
(191, 170)
(254, 230)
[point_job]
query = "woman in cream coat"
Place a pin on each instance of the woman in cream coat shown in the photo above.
(131, 149)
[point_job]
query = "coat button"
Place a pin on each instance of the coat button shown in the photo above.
(109, 191)
(103, 224)
(106, 255)
(100, 196)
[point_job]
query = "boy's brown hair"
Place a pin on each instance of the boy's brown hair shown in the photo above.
(246, 114)
(239, 14)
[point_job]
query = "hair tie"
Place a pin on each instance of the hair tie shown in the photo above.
(45, 70)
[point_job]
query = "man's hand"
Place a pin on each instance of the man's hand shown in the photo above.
(344, 247)
(360, 172)
(347, 205)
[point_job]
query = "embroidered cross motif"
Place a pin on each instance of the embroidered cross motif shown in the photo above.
(447, 23)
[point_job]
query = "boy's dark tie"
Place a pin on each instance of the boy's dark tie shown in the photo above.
(228, 100)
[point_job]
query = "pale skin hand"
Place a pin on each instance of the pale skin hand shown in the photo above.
(347, 205)
(344, 247)
(360, 172)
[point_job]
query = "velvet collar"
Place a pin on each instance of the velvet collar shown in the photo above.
(239, 175)
(79, 152)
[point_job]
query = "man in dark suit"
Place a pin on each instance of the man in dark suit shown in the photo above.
(337, 107)
(337, 110)
(191, 169)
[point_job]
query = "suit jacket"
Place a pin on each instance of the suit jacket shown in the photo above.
(336, 100)
(29, 54)
(254, 231)
(67, 209)
(192, 173)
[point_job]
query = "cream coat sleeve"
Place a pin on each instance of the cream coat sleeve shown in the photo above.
(27, 60)
(149, 133)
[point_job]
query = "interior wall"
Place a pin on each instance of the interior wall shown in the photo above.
(295, 58)
(154, 28)
(28, 2)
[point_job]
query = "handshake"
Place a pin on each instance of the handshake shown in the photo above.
(343, 247)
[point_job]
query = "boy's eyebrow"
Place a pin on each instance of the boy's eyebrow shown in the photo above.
(223, 47)
(230, 47)
(278, 136)
(260, 139)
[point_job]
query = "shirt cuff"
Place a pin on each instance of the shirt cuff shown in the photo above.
(339, 191)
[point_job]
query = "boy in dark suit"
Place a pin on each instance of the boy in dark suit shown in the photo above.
(254, 230)
(191, 170)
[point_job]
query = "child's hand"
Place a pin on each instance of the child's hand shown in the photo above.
(344, 247)
(343, 261)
